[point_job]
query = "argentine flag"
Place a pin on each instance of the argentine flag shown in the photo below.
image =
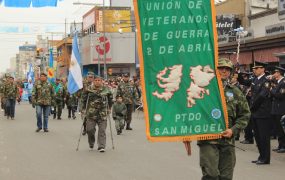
(74, 77)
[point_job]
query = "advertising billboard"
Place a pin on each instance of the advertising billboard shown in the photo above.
(115, 18)
(226, 24)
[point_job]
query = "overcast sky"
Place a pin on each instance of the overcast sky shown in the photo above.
(35, 20)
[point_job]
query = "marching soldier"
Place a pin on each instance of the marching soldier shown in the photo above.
(129, 94)
(217, 157)
(278, 106)
(11, 93)
(2, 82)
(260, 106)
(71, 103)
(59, 99)
(86, 82)
(42, 99)
(64, 85)
(97, 101)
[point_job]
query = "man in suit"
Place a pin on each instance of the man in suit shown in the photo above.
(278, 106)
(260, 106)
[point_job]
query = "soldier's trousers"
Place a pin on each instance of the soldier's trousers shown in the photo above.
(119, 124)
(71, 110)
(58, 110)
(262, 127)
(128, 116)
(10, 107)
(217, 161)
(248, 131)
(91, 129)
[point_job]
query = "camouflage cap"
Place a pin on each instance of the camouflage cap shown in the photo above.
(43, 74)
(90, 73)
(126, 75)
(119, 96)
(225, 62)
(97, 76)
(7, 75)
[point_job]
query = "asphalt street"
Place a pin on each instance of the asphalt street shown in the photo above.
(27, 155)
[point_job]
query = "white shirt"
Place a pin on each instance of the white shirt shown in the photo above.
(260, 76)
(280, 80)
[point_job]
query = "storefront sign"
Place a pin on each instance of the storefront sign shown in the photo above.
(275, 29)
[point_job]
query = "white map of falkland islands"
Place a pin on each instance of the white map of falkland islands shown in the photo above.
(201, 77)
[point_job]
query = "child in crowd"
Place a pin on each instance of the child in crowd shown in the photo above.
(119, 111)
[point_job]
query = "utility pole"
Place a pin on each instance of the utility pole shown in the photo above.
(104, 34)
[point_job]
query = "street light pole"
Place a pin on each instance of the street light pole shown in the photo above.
(96, 4)
(240, 33)
(91, 49)
(104, 34)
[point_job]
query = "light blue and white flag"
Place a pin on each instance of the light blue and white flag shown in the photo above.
(74, 77)
(31, 75)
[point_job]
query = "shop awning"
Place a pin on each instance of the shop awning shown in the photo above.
(268, 55)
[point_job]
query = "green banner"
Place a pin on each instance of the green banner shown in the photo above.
(182, 92)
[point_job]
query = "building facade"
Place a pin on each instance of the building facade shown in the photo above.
(265, 34)
(120, 53)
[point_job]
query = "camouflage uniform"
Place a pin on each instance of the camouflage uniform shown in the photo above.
(118, 113)
(59, 100)
(65, 91)
(96, 101)
(10, 94)
(84, 91)
(217, 157)
(129, 94)
(42, 98)
(71, 103)
(2, 82)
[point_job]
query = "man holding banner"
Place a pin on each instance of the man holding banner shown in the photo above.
(185, 96)
(217, 157)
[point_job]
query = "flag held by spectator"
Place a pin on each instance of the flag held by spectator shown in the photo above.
(74, 76)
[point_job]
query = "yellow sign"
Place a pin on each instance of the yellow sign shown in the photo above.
(115, 19)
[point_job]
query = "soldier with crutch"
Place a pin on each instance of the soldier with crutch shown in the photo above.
(96, 104)
(87, 82)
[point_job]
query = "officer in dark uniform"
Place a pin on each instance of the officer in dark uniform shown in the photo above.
(278, 106)
(260, 106)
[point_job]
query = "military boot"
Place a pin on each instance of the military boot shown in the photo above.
(118, 132)
(84, 132)
(128, 127)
